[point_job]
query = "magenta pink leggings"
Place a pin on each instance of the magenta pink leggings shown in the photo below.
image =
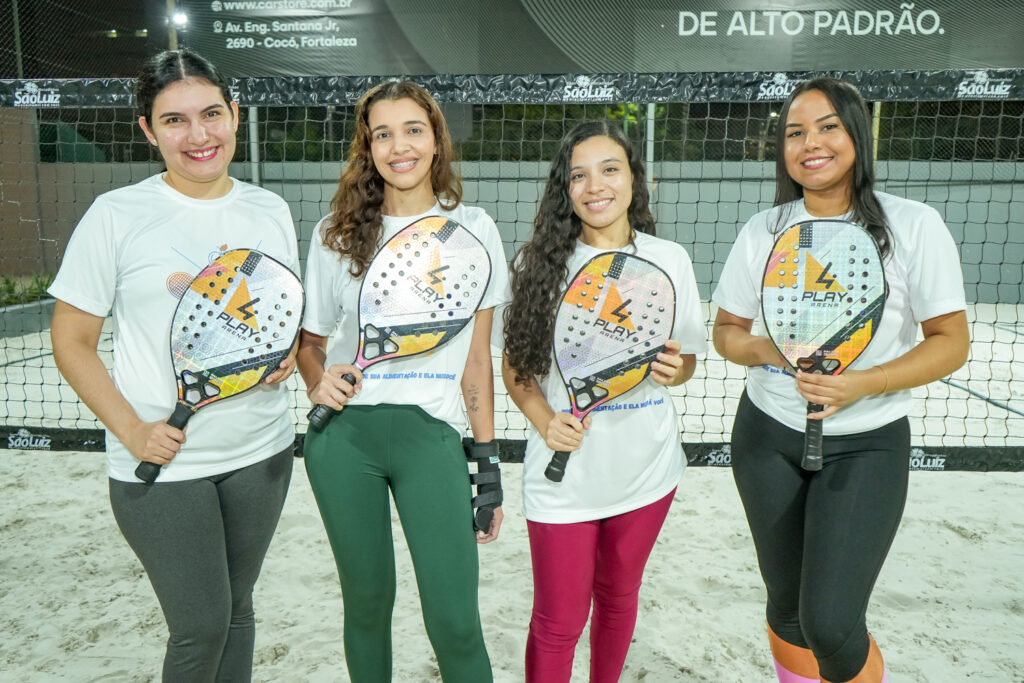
(573, 564)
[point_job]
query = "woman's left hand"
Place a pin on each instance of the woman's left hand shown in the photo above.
(836, 391)
(671, 368)
(285, 369)
(492, 532)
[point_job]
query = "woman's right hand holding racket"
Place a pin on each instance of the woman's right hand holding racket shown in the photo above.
(565, 432)
(155, 442)
(337, 385)
(837, 391)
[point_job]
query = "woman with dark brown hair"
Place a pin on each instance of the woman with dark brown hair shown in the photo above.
(822, 536)
(202, 530)
(592, 532)
(399, 433)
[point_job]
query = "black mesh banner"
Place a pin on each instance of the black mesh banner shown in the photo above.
(938, 458)
(754, 86)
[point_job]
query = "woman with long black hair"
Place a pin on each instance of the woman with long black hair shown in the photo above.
(821, 537)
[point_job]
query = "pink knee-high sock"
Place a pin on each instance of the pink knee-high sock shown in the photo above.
(786, 676)
(793, 664)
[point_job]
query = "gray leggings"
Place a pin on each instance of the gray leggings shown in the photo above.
(202, 543)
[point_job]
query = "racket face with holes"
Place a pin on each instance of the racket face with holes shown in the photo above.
(823, 294)
(419, 291)
(612, 322)
(233, 326)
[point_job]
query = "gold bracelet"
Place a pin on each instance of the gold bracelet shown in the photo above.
(886, 376)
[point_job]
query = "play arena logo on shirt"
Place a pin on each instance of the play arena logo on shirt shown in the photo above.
(31, 95)
(981, 86)
(587, 89)
(919, 460)
(778, 88)
(27, 441)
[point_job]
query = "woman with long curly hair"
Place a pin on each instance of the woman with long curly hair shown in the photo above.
(591, 533)
(399, 433)
(821, 537)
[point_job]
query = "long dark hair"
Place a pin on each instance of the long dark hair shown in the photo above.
(540, 268)
(170, 67)
(355, 224)
(856, 118)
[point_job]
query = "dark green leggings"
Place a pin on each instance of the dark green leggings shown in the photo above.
(352, 463)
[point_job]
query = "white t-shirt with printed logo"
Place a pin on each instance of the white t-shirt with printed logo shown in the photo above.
(924, 281)
(631, 456)
(431, 380)
(132, 256)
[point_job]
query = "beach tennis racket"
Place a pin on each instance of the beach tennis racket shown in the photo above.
(822, 298)
(419, 291)
(612, 322)
(233, 326)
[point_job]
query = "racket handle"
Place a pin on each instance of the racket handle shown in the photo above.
(813, 458)
(556, 468)
(149, 471)
(320, 415)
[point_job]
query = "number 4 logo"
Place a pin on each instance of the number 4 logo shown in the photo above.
(241, 306)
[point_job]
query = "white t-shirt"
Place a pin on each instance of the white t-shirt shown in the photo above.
(131, 256)
(430, 380)
(923, 275)
(631, 455)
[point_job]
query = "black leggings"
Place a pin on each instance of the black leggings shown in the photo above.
(202, 543)
(821, 537)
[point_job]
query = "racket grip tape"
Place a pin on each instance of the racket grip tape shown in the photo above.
(556, 468)
(320, 415)
(149, 471)
(813, 458)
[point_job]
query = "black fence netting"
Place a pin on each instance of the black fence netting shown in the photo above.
(952, 139)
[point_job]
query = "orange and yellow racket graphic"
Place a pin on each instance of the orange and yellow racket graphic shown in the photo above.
(419, 291)
(822, 298)
(611, 324)
(233, 326)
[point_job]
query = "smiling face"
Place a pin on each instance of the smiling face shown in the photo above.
(601, 189)
(194, 128)
(402, 144)
(819, 152)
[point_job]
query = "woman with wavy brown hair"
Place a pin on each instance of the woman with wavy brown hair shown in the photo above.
(399, 433)
(591, 533)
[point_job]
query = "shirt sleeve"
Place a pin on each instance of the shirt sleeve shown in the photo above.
(739, 286)
(935, 281)
(498, 289)
(288, 228)
(689, 326)
(87, 278)
(323, 307)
